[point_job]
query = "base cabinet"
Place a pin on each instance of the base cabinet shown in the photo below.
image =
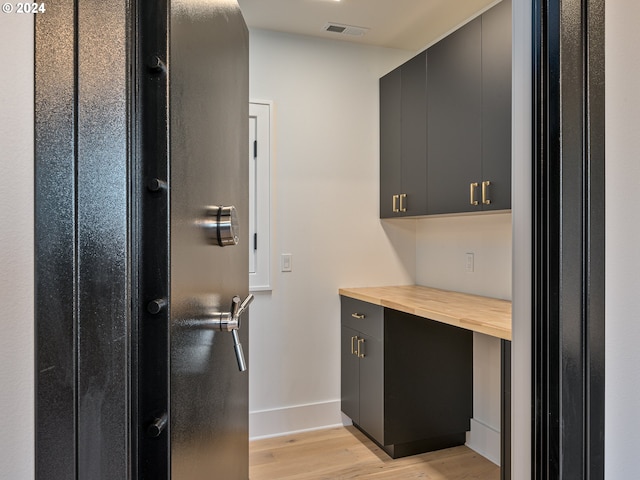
(407, 382)
(362, 386)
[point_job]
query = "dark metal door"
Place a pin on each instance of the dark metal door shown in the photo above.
(209, 111)
(141, 124)
(191, 399)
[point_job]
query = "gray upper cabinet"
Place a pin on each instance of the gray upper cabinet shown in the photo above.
(454, 90)
(445, 124)
(390, 150)
(496, 105)
(469, 116)
(403, 142)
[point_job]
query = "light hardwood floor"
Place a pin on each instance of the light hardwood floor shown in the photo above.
(345, 453)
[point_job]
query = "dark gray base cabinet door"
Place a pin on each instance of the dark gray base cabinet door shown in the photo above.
(362, 354)
(372, 387)
(350, 375)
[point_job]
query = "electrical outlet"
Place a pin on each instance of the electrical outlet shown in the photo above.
(469, 263)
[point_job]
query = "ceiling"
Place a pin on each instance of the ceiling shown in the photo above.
(404, 24)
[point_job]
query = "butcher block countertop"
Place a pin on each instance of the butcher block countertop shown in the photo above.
(472, 312)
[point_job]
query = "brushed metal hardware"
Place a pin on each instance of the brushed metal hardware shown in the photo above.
(485, 200)
(220, 225)
(237, 309)
(472, 193)
(226, 322)
(395, 203)
(358, 315)
(353, 348)
(237, 348)
(360, 351)
(403, 207)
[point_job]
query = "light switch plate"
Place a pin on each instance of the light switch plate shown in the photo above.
(469, 263)
(286, 262)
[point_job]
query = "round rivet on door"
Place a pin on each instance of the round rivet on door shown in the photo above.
(156, 306)
(156, 65)
(156, 185)
(157, 426)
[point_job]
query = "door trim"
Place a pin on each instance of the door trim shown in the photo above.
(568, 240)
(82, 298)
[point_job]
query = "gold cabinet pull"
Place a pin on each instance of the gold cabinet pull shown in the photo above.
(485, 200)
(472, 193)
(360, 350)
(395, 203)
(353, 348)
(403, 206)
(358, 315)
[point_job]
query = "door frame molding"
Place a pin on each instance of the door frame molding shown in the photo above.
(82, 245)
(568, 255)
(568, 240)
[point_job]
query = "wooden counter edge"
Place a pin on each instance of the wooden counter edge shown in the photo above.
(486, 328)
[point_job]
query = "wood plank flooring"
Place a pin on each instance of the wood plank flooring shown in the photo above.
(346, 453)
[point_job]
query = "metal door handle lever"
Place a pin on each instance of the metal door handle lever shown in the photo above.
(228, 322)
(237, 347)
(237, 309)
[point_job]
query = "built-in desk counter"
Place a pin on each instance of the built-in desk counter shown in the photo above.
(400, 375)
(490, 316)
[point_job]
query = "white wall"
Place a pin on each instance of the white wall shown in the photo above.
(442, 244)
(622, 416)
(16, 240)
(441, 247)
(325, 213)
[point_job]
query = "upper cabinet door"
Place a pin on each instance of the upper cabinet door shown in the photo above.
(454, 93)
(390, 138)
(403, 140)
(496, 105)
(414, 137)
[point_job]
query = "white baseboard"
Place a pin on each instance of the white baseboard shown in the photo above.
(485, 440)
(297, 418)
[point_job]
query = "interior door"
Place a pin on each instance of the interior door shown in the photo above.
(208, 109)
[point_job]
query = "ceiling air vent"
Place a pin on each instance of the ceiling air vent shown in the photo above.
(345, 29)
